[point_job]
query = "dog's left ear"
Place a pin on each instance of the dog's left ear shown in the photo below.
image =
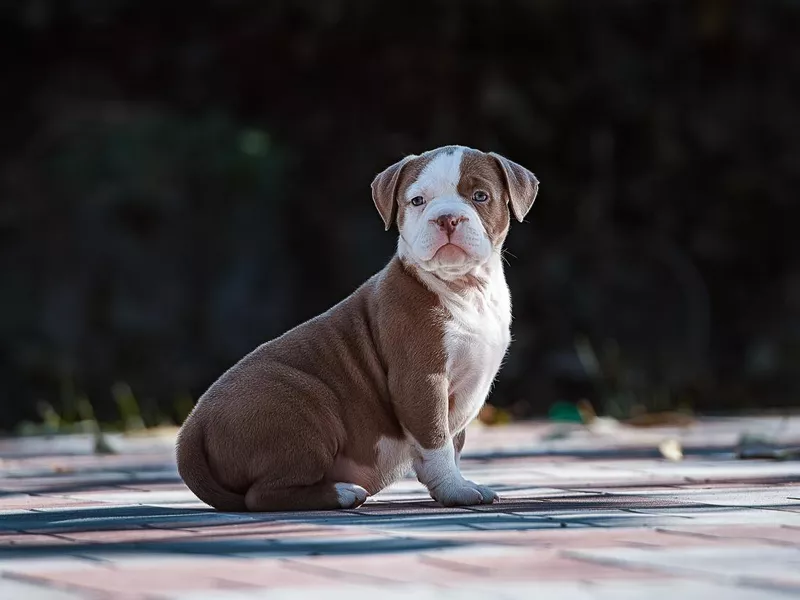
(521, 186)
(384, 191)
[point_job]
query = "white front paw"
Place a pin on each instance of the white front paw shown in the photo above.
(488, 495)
(463, 493)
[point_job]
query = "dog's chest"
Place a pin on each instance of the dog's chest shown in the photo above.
(477, 335)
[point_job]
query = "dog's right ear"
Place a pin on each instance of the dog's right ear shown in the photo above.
(384, 191)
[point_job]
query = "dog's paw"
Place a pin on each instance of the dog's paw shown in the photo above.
(463, 493)
(350, 495)
(488, 495)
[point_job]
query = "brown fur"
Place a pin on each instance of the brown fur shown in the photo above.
(267, 435)
(521, 186)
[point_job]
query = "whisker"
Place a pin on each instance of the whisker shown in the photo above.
(502, 258)
(501, 253)
(514, 256)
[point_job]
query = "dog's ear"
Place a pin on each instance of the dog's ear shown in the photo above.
(521, 186)
(384, 191)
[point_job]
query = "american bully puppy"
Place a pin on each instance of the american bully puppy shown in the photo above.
(341, 406)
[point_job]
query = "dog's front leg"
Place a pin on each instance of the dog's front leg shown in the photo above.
(422, 410)
(436, 469)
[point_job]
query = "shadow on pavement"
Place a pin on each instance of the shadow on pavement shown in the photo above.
(386, 527)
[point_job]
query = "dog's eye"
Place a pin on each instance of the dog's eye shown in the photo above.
(417, 201)
(480, 196)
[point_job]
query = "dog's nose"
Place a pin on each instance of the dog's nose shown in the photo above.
(448, 223)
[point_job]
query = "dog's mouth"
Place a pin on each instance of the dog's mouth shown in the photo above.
(451, 252)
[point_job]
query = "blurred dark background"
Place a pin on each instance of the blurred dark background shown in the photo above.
(180, 182)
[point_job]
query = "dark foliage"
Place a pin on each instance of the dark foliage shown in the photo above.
(180, 182)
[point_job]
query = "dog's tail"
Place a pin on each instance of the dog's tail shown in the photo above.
(196, 472)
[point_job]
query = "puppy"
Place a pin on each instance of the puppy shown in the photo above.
(341, 406)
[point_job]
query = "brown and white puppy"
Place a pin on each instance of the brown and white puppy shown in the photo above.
(341, 406)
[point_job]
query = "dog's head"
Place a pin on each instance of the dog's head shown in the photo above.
(453, 206)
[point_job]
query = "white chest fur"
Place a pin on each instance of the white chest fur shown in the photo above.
(476, 338)
(474, 358)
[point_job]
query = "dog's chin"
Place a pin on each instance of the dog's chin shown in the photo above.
(451, 255)
(451, 261)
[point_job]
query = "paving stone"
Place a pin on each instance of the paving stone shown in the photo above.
(584, 503)
(453, 569)
(353, 547)
(509, 491)
(125, 582)
(126, 535)
(124, 496)
(93, 518)
(33, 565)
(605, 590)
(526, 524)
(27, 502)
(277, 529)
(583, 537)
(17, 540)
(22, 590)
(405, 508)
(781, 536)
(746, 516)
(381, 569)
(765, 565)
(777, 497)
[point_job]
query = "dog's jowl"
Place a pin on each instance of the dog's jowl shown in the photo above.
(341, 406)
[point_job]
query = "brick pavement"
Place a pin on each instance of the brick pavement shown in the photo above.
(584, 514)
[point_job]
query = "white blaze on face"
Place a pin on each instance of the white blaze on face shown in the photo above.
(423, 239)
